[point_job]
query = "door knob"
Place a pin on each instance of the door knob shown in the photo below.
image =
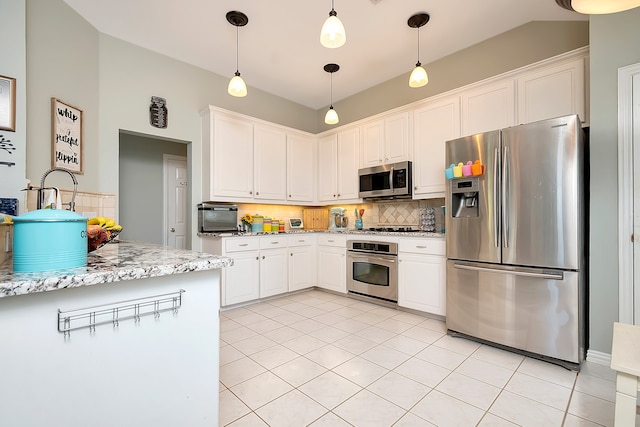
(173, 230)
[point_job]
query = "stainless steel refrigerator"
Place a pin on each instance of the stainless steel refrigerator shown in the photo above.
(516, 240)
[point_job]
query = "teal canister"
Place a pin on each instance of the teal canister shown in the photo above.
(49, 239)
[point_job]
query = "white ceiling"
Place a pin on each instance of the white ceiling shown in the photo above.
(280, 51)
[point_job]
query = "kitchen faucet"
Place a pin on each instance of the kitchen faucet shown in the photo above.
(72, 203)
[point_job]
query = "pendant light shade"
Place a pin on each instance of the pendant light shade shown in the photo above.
(331, 118)
(598, 7)
(332, 34)
(237, 86)
(418, 77)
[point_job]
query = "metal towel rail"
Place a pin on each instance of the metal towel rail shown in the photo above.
(113, 313)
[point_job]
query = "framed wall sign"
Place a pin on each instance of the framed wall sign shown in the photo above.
(7, 103)
(66, 136)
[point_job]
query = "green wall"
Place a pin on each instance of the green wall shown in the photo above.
(508, 51)
(615, 42)
(140, 194)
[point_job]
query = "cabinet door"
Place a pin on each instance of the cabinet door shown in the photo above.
(233, 142)
(372, 144)
(273, 272)
(302, 271)
(242, 280)
(328, 168)
(301, 170)
(434, 124)
(269, 158)
(421, 283)
(332, 269)
(396, 138)
(488, 107)
(348, 161)
(552, 92)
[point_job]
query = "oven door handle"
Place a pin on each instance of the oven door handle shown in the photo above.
(372, 257)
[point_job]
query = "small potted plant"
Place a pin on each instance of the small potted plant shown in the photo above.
(246, 222)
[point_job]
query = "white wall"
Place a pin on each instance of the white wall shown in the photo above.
(13, 64)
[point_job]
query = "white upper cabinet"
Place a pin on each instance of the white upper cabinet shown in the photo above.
(270, 163)
(488, 107)
(552, 92)
(434, 123)
(328, 168)
(232, 144)
(385, 140)
(348, 161)
(338, 162)
(301, 168)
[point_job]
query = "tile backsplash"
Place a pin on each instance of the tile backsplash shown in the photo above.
(88, 203)
(376, 214)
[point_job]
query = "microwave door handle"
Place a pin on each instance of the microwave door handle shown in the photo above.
(391, 179)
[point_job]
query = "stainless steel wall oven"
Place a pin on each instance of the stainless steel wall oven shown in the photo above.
(372, 270)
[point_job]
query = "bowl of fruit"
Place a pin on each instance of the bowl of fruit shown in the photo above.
(100, 231)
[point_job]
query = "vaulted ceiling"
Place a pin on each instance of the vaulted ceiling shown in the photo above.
(279, 48)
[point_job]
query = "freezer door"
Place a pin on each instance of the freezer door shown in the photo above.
(473, 226)
(534, 310)
(543, 198)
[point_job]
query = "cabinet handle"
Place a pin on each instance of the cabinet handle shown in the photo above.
(415, 188)
(262, 256)
(334, 195)
(257, 258)
(301, 241)
(291, 254)
(257, 193)
(250, 192)
(330, 241)
(243, 244)
(421, 247)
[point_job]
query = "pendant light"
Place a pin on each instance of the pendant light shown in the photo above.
(237, 87)
(332, 34)
(331, 118)
(598, 7)
(418, 76)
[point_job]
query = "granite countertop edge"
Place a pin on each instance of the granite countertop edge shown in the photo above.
(348, 231)
(112, 263)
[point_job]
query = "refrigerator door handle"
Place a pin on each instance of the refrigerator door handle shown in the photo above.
(505, 199)
(496, 215)
(553, 276)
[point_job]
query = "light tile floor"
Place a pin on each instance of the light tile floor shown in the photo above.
(320, 359)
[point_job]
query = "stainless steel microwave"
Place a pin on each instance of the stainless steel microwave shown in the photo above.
(386, 182)
(217, 217)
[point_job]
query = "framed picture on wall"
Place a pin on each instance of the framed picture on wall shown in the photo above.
(66, 136)
(7, 103)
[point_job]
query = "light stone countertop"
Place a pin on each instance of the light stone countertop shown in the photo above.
(347, 231)
(114, 262)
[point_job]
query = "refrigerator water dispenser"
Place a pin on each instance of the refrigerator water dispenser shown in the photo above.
(464, 198)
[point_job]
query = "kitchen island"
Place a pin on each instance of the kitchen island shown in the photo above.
(131, 339)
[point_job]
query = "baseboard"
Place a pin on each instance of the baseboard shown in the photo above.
(599, 357)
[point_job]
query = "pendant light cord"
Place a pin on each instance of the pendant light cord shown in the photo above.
(331, 92)
(418, 45)
(237, 68)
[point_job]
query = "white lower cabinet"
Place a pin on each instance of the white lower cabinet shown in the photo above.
(273, 272)
(302, 261)
(421, 275)
(332, 258)
(241, 281)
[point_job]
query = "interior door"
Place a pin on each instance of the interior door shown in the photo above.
(636, 200)
(176, 196)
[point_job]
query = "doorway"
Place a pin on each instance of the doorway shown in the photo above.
(629, 193)
(142, 186)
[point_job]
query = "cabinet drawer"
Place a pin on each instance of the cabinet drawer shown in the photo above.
(271, 242)
(302, 239)
(240, 244)
(332, 240)
(422, 246)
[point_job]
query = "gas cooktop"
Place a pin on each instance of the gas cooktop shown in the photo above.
(393, 229)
